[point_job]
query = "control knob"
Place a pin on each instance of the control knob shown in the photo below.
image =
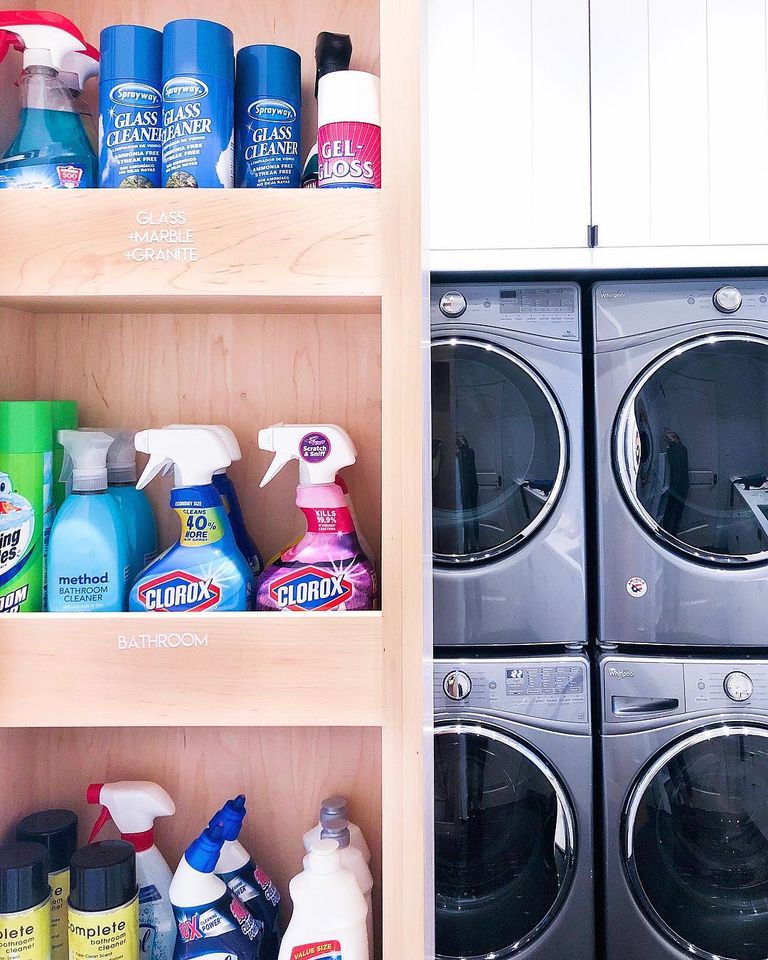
(453, 304)
(727, 299)
(738, 686)
(457, 685)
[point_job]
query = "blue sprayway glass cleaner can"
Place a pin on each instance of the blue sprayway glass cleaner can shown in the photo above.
(130, 107)
(268, 117)
(198, 104)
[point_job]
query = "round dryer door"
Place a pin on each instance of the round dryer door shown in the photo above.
(696, 843)
(499, 451)
(691, 449)
(504, 842)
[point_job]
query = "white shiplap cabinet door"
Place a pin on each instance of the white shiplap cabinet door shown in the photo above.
(508, 126)
(679, 122)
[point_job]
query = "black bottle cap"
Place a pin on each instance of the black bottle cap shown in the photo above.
(103, 876)
(23, 876)
(333, 51)
(56, 830)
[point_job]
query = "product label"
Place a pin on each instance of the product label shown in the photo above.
(179, 592)
(157, 927)
(198, 133)
(225, 927)
(46, 176)
(26, 515)
(314, 447)
(199, 525)
(86, 591)
(328, 519)
(108, 935)
(267, 149)
(311, 588)
(131, 135)
(323, 950)
(349, 155)
(251, 883)
(59, 893)
(26, 935)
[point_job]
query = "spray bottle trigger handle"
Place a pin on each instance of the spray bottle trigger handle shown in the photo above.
(155, 464)
(278, 462)
(104, 817)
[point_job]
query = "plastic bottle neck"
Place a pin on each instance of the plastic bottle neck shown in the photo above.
(140, 841)
(325, 508)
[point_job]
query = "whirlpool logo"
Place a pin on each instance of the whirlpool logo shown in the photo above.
(613, 294)
(617, 674)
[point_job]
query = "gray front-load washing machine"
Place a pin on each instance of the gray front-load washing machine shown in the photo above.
(513, 809)
(507, 477)
(681, 375)
(685, 807)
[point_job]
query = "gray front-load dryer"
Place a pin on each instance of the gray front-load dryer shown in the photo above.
(513, 809)
(685, 807)
(681, 373)
(507, 478)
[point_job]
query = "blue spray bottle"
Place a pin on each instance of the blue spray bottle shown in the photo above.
(51, 147)
(245, 878)
(134, 503)
(212, 922)
(204, 569)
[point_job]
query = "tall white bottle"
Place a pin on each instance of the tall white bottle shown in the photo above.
(330, 809)
(133, 805)
(328, 909)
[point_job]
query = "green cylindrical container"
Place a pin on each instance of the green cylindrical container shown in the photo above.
(64, 417)
(26, 505)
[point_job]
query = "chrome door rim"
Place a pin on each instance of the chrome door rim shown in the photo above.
(630, 816)
(451, 559)
(625, 433)
(565, 808)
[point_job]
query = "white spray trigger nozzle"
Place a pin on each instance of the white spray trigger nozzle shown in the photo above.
(47, 38)
(322, 450)
(197, 453)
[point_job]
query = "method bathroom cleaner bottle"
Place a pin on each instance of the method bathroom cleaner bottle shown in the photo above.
(104, 902)
(77, 68)
(267, 117)
(211, 921)
(327, 569)
(333, 51)
(133, 806)
(56, 830)
(223, 483)
(245, 878)
(88, 551)
(328, 910)
(198, 104)
(130, 107)
(204, 569)
(26, 504)
(349, 130)
(25, 902)
(51, 146)
(63, 417)
(330, 809)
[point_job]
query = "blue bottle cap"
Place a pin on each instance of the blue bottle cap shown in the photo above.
(266, 70)
(230, 818)
(198, 47)
(129, 53)
(203, 854)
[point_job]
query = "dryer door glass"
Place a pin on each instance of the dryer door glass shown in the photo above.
(499, 451)
(504, 842)
(691, 449)
(696, 843)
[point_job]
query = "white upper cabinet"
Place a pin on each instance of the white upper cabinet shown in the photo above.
(679, 122)
(509, 163)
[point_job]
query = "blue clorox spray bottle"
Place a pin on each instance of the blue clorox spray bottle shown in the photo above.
(204, 569)
(211, 921)
(247, 879)
(51, 146)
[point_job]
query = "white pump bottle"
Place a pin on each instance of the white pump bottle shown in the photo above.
(133, 806)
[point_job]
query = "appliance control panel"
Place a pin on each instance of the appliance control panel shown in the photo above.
(554, 689)
(728, 686)
(536, 309)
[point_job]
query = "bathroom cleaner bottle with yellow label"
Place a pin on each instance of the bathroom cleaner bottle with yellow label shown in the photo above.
(25, 903)
(104, 903)
(56, 830)
(133, 806)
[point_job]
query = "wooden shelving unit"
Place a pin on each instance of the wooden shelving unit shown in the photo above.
(302, 306)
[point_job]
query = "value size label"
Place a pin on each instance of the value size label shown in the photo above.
(162, 237)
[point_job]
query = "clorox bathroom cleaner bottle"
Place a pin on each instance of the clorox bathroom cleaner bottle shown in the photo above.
(245, 878)
(211, 921)
(327, 569)
(51, 147)
(204, 569)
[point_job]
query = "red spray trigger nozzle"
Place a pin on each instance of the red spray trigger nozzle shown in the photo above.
(93, 795)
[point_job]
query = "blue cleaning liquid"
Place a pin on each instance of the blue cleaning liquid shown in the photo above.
(231, 501)
(140, 526)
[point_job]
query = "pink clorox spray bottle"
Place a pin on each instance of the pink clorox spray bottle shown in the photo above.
(328, 568)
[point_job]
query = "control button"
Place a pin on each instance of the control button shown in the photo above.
(727, 299)
(492, 685)
(691, 300)
(457, 685)
(701, 685)
(487, 304)
(453, 304)
(738, 686)
(763, 299)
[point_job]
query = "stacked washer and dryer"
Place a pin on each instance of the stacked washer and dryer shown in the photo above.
(513, 747)
(681, 380)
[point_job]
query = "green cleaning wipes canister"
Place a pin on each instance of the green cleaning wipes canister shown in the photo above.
(26, 504)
